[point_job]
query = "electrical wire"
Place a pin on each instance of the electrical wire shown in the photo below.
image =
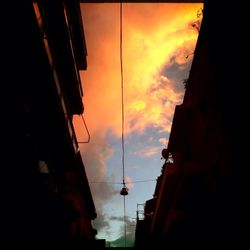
(122, 96)
(132, 182)
(124, 218)
(123, 151)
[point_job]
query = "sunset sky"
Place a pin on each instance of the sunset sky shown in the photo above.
(158, 43)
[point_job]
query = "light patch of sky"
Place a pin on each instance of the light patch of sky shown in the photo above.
(143, 169)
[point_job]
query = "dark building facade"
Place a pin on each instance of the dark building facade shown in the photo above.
(49, 201)
(200, 197)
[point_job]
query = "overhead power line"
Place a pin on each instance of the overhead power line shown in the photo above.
(122, 96)
(124, 191)
(130, 182)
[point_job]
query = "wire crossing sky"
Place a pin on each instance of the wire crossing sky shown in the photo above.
(152, 55)
(122, 182)
(124, 189)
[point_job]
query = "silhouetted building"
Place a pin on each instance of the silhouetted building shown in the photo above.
(200, 197)
(49, 199)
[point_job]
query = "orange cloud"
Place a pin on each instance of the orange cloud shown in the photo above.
(152, 34)
(148, 152)
(128, 181)
(163, 141)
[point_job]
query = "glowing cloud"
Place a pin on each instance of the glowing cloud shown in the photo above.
(129, 182)
(155, 37)
(152, 35)
(148, 152)
(163, 141)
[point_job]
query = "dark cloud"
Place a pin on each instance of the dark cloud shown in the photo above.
(99, 151)
(101, 222)
(176, 73)
(120, 218)
(156, 86)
